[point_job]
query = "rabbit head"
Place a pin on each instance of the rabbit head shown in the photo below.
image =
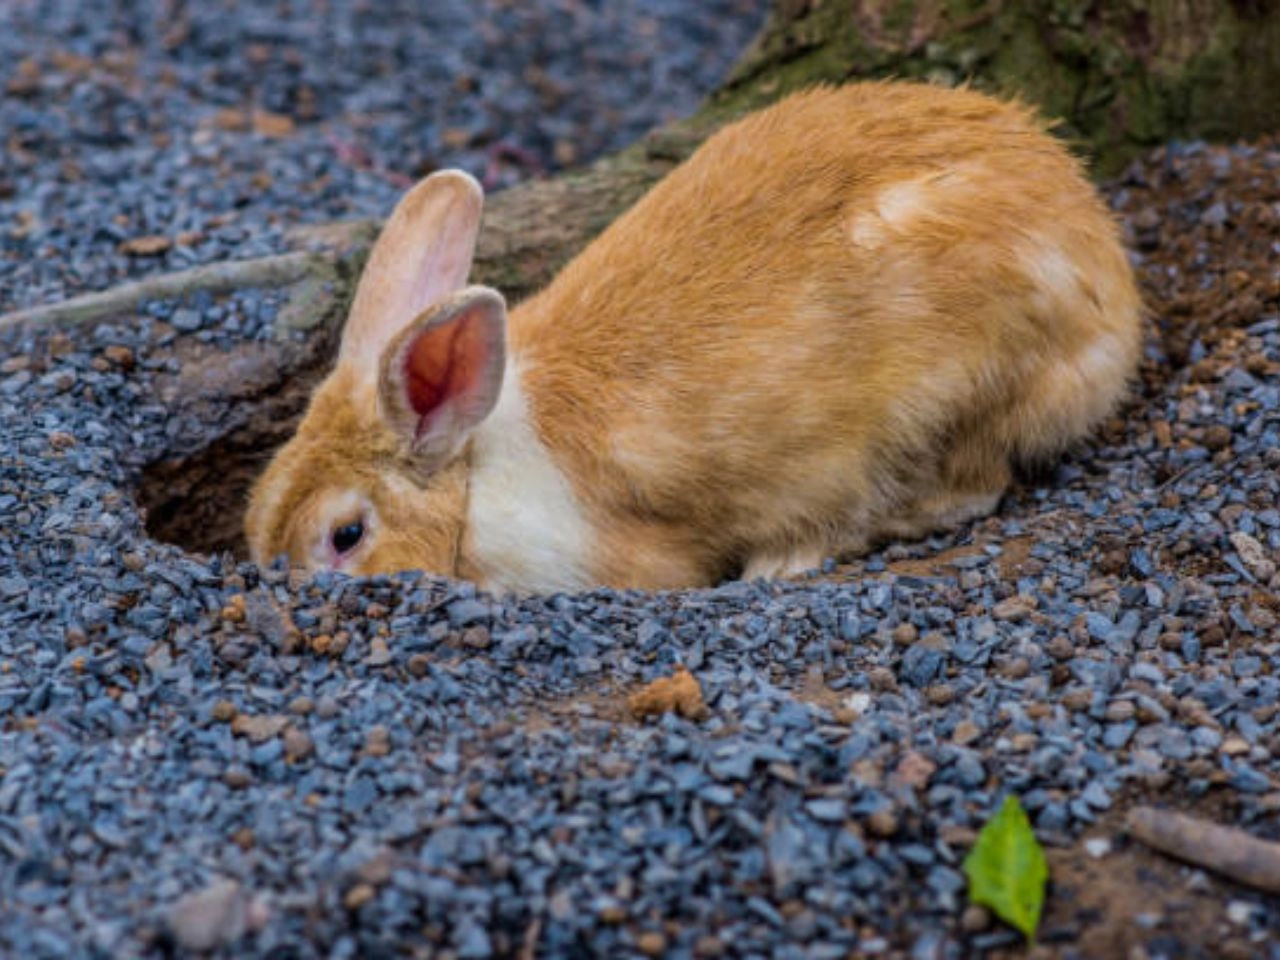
(375, 479)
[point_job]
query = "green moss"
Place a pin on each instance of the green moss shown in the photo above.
(1119, 77)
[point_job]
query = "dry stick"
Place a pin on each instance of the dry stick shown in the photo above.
(1225, 850)
(274, 271)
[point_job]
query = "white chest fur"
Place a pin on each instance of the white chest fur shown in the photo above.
(527, 530)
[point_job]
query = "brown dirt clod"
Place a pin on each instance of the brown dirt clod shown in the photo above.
(679, 693)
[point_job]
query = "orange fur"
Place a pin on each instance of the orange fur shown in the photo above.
(842, 319)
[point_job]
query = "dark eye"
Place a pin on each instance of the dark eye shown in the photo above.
(345, 538)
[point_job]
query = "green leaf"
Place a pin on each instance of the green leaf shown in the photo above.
(1007, 870)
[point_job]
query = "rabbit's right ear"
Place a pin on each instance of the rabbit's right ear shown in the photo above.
(441, 377)
(422, 256)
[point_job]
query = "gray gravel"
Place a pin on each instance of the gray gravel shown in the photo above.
(201, 755)
(133, 120)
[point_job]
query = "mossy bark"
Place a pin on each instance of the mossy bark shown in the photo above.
(1119, 75)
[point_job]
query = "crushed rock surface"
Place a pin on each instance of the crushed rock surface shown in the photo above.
(199, 755)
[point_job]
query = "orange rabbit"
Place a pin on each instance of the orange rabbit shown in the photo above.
(843, 319)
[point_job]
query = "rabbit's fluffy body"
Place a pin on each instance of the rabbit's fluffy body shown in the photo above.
(844, 318)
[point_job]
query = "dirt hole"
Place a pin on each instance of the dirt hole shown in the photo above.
(245, 402)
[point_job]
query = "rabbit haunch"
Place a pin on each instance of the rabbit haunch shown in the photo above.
(843, 319)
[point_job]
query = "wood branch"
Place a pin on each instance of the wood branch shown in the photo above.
(1228, 851)
(529, 232)
(276, 271)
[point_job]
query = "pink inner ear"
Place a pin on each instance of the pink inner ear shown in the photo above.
(445, 363)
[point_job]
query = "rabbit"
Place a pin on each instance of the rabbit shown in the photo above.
(845, 318)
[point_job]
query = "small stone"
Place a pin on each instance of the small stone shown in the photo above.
(258, 729)
(1097, 847)
(975, 919)
(1240, 912)
(298, 744)
(379, 653)
(651, 943)
(186, 320)
(1215, 215)
(905, 634)
(358, 896)
(237, 778)
(1060, 647)
(921, 665)
(1015, 608)
(148, 246)
(224, 711)
(1118, 711)
(234, 609)
(882, 680)
(940, 695)
(1077, 700)
(1016, 669)
(612, 913)
(857, 703)
(1217, 437)
(377, 741)
(120, 356)
(477, 638)
(217, 915)
(1254, 556)
(1024, 742)
(708, 946)
(965, 732)
(914, 770)
(1235, 746)
(882, 823)
(272, 125)
(1112, 562)
(679, 693)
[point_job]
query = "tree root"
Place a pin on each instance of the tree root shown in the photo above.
(1228, 851)
(274, 271)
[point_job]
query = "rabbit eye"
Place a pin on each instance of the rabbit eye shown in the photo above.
(347, 537)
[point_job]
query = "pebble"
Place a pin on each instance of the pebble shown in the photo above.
(651, 943)
(219, 914)
(975, 919)
(1097, 847)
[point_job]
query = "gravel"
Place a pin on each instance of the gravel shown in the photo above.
(199, 754)
(166, 133)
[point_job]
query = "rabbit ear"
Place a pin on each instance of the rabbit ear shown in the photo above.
(422, 256)
(441, 377)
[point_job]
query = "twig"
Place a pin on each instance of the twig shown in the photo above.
(529, 948)
(1180, 475)
(1225, 850)
(274, 271)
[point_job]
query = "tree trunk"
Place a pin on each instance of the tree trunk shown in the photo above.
(1121, 75)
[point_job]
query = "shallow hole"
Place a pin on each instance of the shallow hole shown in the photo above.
(250, 400)
(198, 503)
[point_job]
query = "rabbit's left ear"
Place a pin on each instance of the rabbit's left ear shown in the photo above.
(422, 256)
(441, 377)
